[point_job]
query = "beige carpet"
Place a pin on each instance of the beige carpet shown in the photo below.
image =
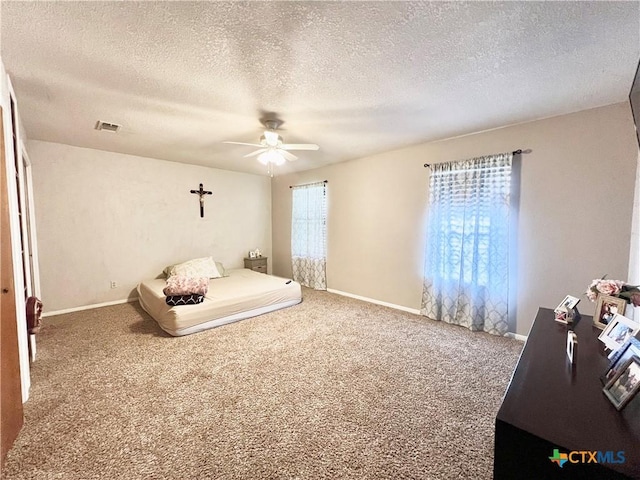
(332, 388)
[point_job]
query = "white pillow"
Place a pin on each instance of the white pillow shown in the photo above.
(198, 267)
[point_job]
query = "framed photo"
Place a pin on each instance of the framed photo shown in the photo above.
(566, 311)
(619, 357)
(567, 304)
(606, 307)
(572, 344)
(618, 331)
(624, 386)
(252, 254)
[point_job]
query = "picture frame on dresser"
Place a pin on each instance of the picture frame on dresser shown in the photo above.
(606, 307)
(572, 346)
(567, 303)
(625, 385)
(566, 312)
(619, 357)
(618, 331)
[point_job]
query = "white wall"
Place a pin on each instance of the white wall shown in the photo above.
(106, 216)
(574, 217)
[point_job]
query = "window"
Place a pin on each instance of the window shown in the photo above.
(308, 235)
(467, 262)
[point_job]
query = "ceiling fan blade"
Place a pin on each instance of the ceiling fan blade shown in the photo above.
(299, 146)
(242, 143)
(257, 152)
(289, 156)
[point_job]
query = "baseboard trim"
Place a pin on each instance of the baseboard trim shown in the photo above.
(89, 307)
(373, 300)
(516, 336)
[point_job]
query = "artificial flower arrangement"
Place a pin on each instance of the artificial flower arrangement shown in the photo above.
(614, 288)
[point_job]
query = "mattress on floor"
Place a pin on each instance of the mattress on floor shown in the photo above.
(243, 294)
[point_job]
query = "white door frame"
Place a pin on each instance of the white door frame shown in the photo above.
(14, 222)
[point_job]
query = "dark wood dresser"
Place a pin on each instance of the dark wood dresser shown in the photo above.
(550, 404)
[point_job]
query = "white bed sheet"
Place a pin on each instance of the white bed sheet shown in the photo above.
(243, 294)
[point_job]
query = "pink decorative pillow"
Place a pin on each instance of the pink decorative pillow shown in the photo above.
(183, 285)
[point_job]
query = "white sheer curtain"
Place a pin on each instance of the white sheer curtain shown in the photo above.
(309, 235)
(466, 280)
(634, 254)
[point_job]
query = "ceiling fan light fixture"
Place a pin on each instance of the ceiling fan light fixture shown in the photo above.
(271, 156)
(271, 149)
(279, 159)
(271, 138)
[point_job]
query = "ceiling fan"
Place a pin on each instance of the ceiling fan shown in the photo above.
(271, 149)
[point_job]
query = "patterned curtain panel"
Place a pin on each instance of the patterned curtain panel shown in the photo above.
(309, 235)
(466, 280)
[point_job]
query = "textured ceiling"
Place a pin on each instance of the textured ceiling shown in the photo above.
(356, 78)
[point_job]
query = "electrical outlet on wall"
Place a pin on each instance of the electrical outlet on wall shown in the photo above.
(114, 284)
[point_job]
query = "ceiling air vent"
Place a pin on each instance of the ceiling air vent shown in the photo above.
(107, 127)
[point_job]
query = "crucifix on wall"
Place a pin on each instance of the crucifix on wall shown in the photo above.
(201, 193)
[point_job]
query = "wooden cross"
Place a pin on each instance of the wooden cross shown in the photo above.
(201, 193)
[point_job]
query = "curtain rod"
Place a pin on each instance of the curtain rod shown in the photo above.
(307, 184)
(515, 152)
